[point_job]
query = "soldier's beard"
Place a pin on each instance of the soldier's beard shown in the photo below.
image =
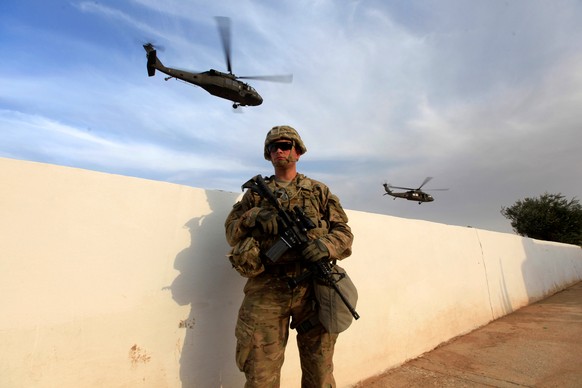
(280, 163)
(283, 162)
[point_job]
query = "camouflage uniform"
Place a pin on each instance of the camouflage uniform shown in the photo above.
(270, 307)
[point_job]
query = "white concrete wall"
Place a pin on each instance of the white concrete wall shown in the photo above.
(111, 281)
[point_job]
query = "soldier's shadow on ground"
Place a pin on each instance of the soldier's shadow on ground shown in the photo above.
(213, 289)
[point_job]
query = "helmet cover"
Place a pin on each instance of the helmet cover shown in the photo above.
(284, 132)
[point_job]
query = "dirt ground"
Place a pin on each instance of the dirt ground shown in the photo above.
(539, 345)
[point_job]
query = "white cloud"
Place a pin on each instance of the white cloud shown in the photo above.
(482, 96)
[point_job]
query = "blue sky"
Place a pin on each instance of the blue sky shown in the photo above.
(482, 95)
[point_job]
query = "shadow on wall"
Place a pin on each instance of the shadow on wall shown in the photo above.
(501, 260)
(213, 290)
(549, 268)
(505, 302)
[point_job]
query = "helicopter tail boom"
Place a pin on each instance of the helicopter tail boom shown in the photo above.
(151, 68)
(153, 61)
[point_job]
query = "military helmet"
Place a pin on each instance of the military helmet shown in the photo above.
(287, 133)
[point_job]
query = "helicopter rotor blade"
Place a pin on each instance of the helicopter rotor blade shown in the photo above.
(288, 78)
(401, 188)
(225, 37)
(428, 178)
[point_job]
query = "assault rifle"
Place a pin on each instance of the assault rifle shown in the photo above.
(293, 226)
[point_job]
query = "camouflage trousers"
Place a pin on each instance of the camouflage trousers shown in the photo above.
(267, 311)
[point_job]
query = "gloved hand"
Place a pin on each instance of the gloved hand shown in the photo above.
(267, 220)
(315, 251)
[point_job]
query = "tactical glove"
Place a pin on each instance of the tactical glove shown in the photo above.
(267, 220)
(315, 251)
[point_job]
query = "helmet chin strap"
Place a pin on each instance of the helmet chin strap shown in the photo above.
(290, 158)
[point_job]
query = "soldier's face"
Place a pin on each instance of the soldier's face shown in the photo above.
(283, 153)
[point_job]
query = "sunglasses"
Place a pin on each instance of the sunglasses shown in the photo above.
(283, 146)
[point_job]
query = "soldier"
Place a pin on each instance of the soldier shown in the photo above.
(270, 307)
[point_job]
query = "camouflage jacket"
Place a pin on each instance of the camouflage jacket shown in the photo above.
(319, 204)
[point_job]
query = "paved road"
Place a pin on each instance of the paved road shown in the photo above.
(539, 345)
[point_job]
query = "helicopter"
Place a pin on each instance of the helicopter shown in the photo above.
(411, 194)
(217, 83)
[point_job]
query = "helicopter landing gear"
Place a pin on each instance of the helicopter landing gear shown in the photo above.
(235, 105)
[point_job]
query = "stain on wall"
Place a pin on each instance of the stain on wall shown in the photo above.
(187, 323)
(138, 355)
